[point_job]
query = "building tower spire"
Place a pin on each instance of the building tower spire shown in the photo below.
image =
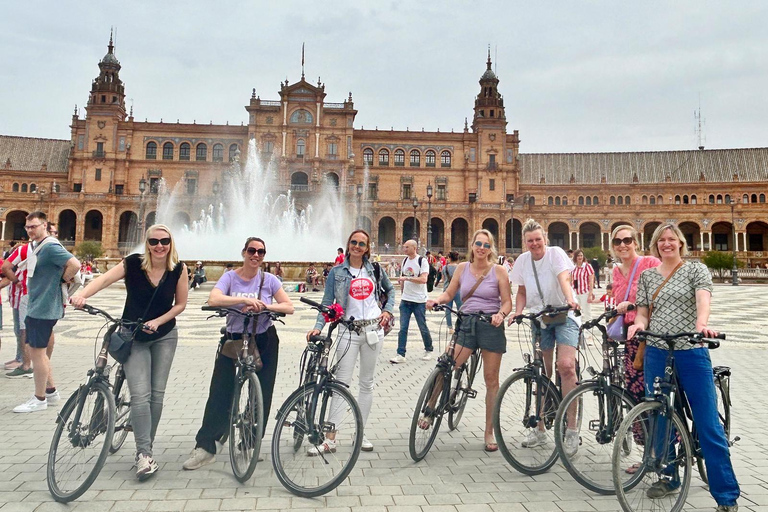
(107, 90)
(489, 104)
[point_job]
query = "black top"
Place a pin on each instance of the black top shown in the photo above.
(140, 290)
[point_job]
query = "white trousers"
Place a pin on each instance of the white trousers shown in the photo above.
(586, 307)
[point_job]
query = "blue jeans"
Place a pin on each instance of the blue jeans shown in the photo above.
(454, 303)
(146, 372)
(694, 373)
(419, 310)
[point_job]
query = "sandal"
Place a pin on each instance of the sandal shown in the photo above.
(631, 470)
(425, 422)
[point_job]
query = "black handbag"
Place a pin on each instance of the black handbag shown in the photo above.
(121, 338)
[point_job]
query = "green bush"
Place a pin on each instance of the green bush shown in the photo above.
(595, 252)
(720, 262)
(89, 250)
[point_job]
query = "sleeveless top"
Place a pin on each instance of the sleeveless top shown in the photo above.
(139, 291)
(486, 298)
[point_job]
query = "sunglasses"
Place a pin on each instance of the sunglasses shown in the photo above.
(162, 241)
(252, 250)
(35, 226)
(626, 241)
(482, 245)
(361, 245)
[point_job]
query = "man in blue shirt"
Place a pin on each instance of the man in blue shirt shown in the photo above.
(48, 266)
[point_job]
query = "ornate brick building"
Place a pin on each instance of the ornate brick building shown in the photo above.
(102, 183)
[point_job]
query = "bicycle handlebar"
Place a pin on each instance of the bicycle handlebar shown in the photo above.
(548, 310)
(224, 311)
(693, 338)
(611, 313)
(485, 317)
(100, 312)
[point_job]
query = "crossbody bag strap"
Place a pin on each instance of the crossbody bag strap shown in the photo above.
(538, 285)
(477, 283)
(656, 293)
(631, 278)
(149, 304)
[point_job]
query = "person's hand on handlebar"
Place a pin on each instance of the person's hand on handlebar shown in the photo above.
(518, 319)
(150, 326)
(431, 304)
(77, 301)
(623, 307)
(573, 304)
(313, 332)
(706, 331)
(254, 305)
(497, 319)
(632, 330)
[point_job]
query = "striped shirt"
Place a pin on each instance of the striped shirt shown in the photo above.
(580, 277)
(18, 290)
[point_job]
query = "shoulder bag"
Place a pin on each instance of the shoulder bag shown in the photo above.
(616, 330)
(550, 319)
(122, 338)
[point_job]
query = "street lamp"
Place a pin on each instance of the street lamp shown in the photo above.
(142, 189)
(359, 204)
(735, 269)
(415, 205)
(429, 216)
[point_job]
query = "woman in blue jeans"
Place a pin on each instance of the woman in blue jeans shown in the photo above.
(448, 271)
(156, 294)
(682, 304)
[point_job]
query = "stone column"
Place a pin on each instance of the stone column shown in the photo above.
(577, 242)
(2, 234)
(701, 240)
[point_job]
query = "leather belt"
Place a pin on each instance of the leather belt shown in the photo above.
(365, 323)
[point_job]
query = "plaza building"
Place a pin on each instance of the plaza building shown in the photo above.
(438, 187)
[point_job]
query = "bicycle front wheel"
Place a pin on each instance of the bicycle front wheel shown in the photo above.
(661, 463)
(122, 412)
(460, 387)
(524, 421)
(421, 439)
(246, 426)
(599, 415)
(81, 441)
(313, 454)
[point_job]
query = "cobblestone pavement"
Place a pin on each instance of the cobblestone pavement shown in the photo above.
(457, 475)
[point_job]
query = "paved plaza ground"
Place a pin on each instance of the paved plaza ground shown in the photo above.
(456, 476)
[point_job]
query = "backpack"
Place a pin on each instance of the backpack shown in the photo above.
(383, 295)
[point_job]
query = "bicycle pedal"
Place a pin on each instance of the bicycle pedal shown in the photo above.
(471, 393)
(734, 440)
(128, 428)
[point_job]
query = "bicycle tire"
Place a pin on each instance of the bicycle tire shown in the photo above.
(724, 413)
(459, 395)
(122, 411)
(511, 422)
(631, 490)
(246, 426)
(420, 440)
(69, 475)
(592, 465)
(291, 463)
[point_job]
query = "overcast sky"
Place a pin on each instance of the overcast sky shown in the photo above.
(576, 76)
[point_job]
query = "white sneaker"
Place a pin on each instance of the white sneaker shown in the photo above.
(198, 459)
(53, 398)
(145, 467)
(328, 446)
(366, 445)
(32, 405)
(571, 442)
(397, 359)
(534, 438)
(427, 356)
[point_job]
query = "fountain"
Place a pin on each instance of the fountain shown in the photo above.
(252, 205)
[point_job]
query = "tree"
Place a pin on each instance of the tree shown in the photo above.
(89, 250)
(720, 261)
(595, 252)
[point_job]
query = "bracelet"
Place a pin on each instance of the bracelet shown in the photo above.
(503, 314)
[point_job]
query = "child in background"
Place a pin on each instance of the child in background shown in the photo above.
(608, 300)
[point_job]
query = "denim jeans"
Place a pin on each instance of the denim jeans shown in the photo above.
(694, 373)
(454, 303)
(146, 372)
(418, 309)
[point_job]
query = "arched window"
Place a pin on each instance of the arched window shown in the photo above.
(301, 147)
(33, 188)
(627, 200)
(218, 152)
(613, 201)
(659, 200)
(557, 201)
(645, 200)
(653, 200)
(415, 158)
(201, 153)
(727, 198)
(23, 187)
(595, 201)
(754, 199)
(762, 198)
(368, 156)
(745, 199)
(430, 158)
(581, 200)
(445, 159)
(15, 187)
(565, 200)
(233, 152)
(301, 116)
(151, 151)
(719, 199)
(693, 199)
(384, 157)
(685, 199)
(550, 201)
(620, 200)
(589, 201)
(184, 151)
(399, 157)
(531, 201)
(677, 199)
(168, 151)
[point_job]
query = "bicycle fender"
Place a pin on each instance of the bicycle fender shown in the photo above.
(72, 398)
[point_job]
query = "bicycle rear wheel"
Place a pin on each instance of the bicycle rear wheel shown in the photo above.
(658, 459)
(122, 411)
(515, 422)
(81, 441)
(599, 417)
(421, 439)
(315, 471)
(246, 426)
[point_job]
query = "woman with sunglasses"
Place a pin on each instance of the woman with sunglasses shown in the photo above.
(354, 285)
(484, 288)
(156, 294)
(248, 288)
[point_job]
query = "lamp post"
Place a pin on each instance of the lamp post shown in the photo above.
(415, 205)
(429, 216)
(512, 224)
(359, 204)
(140, 230)
(735, 269)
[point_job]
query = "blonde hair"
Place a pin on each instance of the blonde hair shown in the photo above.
(173, 257)
(679, 234)
(635, 236)
(531, 225)
(493, 255)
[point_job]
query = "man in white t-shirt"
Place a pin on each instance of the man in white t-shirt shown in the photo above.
(413, 280)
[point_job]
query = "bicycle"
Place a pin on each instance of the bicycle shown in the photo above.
(670, 439)
(86, 424)
(602, 403)
(246, 417)
(321, 411)
(529, 400)
(447, 389)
